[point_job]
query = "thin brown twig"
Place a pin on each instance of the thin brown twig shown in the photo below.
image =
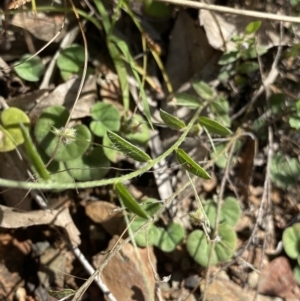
(233, 11)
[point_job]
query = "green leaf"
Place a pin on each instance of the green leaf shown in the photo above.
(294, 122)
(151, 205)
(61, 294)
(129, 202)
(210, 209)
(93, 165)
(247, 67)
(31, 70)
(220, 106)
(56, 170)
(127, 148)
(296, 272)
(54, 119)
(152, 231)
(284, 171)
(220, 109)
(171, 237)
(226, 247)
(136, 130)
(70, 61)
(109, 151)
(221, 158)
(229, 57)
(172, 121)
(10, 132)
(291, 241)
(203, 90)
(157, 10)
(126, 52)
(190, 165)
(214, 127)
(186, 100)
(106, 117)
(230, 211)
(33, 154)
(199, 248)
(252, 27)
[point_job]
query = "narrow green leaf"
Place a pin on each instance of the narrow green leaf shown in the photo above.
(252, 27)
(214, 127)
(121, 71)
(61, 294)
(125, 50)
(247, 67)
(104, 15)
(127, 148)
(129, 201)
(172, 121)
(229, 57)
(33, 154)
(186, 100)
(190, 165)
(203, 90)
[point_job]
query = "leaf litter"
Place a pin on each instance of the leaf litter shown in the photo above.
(194, 48)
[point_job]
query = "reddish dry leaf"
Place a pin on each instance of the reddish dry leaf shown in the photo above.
(124, 273)
(277, 279)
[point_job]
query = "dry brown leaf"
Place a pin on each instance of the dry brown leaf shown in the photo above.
(11, 218)
(229, 291)
(189, 51)
(102, 212)
(124, 276)
(65, 95)
(235, 25)
(42, 26)
(15, 169)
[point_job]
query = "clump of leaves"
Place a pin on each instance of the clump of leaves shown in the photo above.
(238, 60)
(198, 245)
(164, 238)
(107, 123)
(218, 106)
(71, 148)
